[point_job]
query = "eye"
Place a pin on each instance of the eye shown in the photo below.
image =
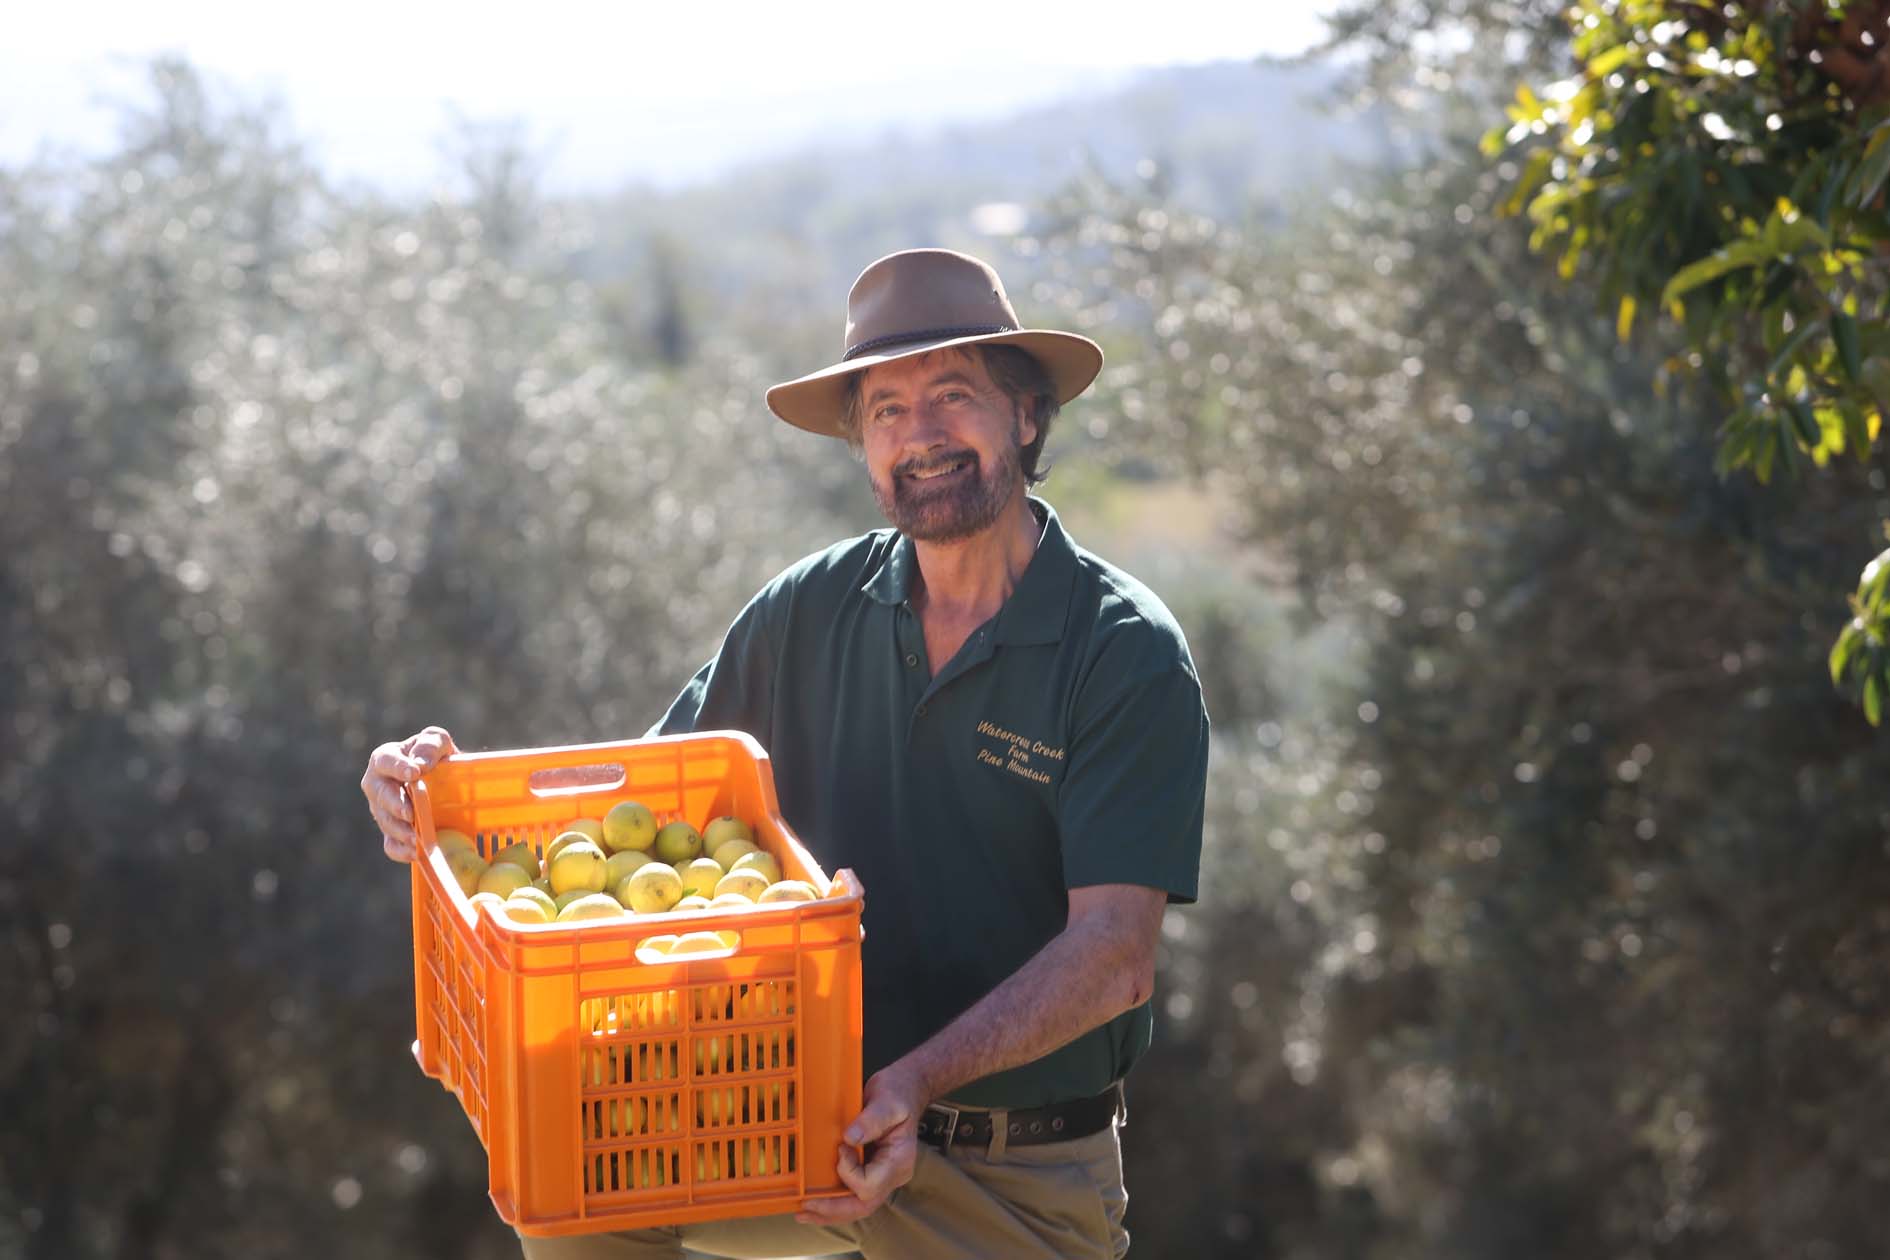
(953, 395)
(885, 413)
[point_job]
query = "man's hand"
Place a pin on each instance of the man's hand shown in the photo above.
(888, 1127)
(390, 769)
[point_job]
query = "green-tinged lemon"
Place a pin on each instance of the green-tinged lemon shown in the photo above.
(629, 827)
(678, 842)
(521, 856)
(731, 851)
(723, 829)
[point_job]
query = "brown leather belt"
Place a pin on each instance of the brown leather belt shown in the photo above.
(945, 1126)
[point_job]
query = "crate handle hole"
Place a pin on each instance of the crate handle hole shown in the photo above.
(574, 780)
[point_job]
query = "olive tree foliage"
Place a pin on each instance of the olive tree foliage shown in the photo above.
(1562, 933)
(1726, 166)
(285, 472)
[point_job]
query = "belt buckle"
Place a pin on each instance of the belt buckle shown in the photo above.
(951, 1125)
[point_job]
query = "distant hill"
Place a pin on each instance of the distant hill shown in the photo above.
(1233, 139)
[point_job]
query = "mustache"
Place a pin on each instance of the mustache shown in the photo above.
(932, 463)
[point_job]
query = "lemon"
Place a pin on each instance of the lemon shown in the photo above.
(698, 943)
(765, 862)
(650, 889)
(629, 827)
(700, 876)
(593, 829)
(502, 879)
(467, 866)
(521, 856)
(747, 881)
(620, 864)
(694, 901)
(730, 851)
(529, 909)
(732, 901)
(723, 829)
(678, 842)
(447, 838)
(590, 906)
(788, 890)
(488, 899)
(579, 864)
(538, 897)
(557, 846)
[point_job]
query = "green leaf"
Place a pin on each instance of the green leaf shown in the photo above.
(1844, 332)
(1872, 170)
(1804, 423)
(1873, 700)
(1841, 653)
(1732, 258)
(1608, 62)
(1800, 335)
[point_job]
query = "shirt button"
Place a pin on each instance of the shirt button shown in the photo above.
(912, 660)
(921, 710)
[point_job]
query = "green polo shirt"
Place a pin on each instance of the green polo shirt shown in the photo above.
(1065, 745)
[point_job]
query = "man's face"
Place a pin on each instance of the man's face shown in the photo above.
(941, 443)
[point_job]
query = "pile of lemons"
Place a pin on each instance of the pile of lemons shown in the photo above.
(623, 865)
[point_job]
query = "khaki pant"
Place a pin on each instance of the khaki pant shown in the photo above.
(1058, 1200)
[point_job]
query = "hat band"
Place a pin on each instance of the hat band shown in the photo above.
(927, 334)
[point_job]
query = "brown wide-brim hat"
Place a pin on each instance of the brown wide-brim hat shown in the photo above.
(921, 300)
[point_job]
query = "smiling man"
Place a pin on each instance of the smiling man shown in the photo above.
(1002, 735)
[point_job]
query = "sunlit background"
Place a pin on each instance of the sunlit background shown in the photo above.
(372, 366)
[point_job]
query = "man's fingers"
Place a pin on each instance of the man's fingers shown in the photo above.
(394, 762)
(879, 1117)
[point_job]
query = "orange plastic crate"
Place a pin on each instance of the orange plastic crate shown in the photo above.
(614, 1093)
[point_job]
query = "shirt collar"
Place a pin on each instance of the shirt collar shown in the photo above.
(1037, 607)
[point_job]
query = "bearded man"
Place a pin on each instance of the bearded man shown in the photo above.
(1002, 736)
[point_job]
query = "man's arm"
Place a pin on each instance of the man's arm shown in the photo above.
(1100, 965)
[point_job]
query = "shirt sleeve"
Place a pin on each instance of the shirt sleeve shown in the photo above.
(735, 690)
(1134, 797)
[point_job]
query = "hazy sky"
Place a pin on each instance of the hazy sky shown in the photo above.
(609, 91)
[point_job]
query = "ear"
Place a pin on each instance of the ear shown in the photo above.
(1026, 420)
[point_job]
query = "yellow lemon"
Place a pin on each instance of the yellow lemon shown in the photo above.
(763, 861)
(579, 864)
(534, 909)
(620, 864)
(732, 901)
(488, 899)
(521, 856)
(593, 829)
(629, 827)
(537, 896)
(731, 851)
(447, 838)
(467, 866)
(723, 829)
(590, 906)
(650, 889)
(502, 879)
(557, 846)
(745, 880)
(700, 876)
(678, 842)
(694, 901)
(698, 943)
(788, 890)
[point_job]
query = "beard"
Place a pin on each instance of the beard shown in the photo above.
(967, 499)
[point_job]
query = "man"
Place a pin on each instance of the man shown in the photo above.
(1003, 736)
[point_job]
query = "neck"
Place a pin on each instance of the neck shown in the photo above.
(968, 580)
